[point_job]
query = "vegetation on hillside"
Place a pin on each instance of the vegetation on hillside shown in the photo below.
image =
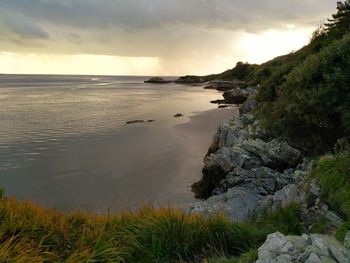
(304, 96)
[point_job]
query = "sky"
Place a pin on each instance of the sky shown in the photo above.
(151, 37)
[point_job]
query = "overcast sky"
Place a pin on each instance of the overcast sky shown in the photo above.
(151, 37)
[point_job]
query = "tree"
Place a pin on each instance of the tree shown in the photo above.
(339, 24)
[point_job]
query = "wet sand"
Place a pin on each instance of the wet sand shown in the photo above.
(195, 136)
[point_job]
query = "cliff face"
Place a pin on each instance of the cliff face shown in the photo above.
(244, 168)
(247, 174)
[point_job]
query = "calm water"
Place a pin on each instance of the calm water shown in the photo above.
(64, 142)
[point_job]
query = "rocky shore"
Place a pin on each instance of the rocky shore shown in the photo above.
(248, 174)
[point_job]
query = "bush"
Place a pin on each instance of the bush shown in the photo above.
(310, 106)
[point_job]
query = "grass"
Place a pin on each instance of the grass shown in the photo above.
(29, 233)
(333, 176)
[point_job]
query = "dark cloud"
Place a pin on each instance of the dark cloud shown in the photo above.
(145, 14)
(162, 28)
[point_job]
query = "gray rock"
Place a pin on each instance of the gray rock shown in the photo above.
(313, 258)
(275, 245)
(229, 133)
(266, 180)
(333, 219)
(229, 158)
(307, 248)
(237, 203)
(238, 95)
(314, 188)
(248, 106)
(274, 154)
(347, 240)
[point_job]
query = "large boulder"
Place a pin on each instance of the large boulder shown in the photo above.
(157, 80)
(238, 95)
(237, 203)
(305, 248)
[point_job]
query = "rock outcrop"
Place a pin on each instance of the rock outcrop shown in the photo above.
(306, 248)
(221, 85)
(238, 95)
(245, 170)
(157, 80)
(189, 80)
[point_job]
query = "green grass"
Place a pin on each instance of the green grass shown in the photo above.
(29, 233)
(249, 257)
(333, 176)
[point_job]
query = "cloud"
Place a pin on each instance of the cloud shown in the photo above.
(167, 29)
(146, 14)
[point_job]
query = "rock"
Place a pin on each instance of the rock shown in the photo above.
(238, 204)
(178, 115)
(274, 154)
(347, 240)
(264, 179)
(314, 188)
(228, 158)
(223, 106)
(333, 219)
(248, 106)
(157, 80)
(238, 95)
(229, 133)
(189, 80)
(223, 85)
(150, 120)
(218, 101)
(135, 121)
(275, 245)
(307, 248)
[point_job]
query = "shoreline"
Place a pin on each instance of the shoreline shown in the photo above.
(195, 137)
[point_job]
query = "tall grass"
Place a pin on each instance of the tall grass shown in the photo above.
(29, 233)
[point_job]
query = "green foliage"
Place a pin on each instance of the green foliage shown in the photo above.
(249, 257)
(342, 231)
(320, 226)
(311, 103)
(340, 22)
(333, 176)
(285, 220)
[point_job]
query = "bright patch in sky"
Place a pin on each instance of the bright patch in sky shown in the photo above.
(76, 64)
(253, 48)
(259, 48)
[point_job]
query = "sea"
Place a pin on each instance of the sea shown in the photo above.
(65, 144)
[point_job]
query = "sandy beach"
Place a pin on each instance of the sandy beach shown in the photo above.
(195, 136)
